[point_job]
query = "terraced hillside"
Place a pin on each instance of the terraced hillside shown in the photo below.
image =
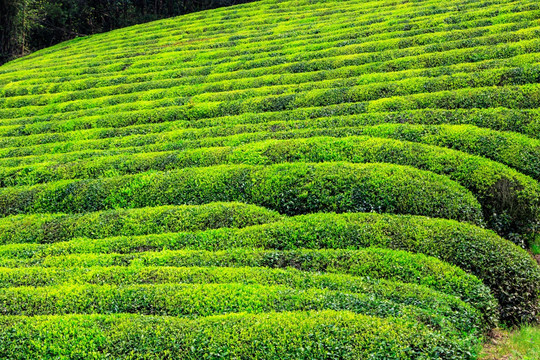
(277, 180)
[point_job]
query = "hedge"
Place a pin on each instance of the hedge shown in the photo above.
(524, 121)
(514, 150)
(375, 266)
(519, 97)
(306, 94)
(289, 188)
(195, 300)
(280, 180)
(299, 335)
(495, 72)
(310, 51)
(510, 200)
(47, 228)
(510, 273)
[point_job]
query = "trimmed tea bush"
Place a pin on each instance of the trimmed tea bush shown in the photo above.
(374, 265)
(47, 228)
(509, 271)
(300, 335)
(290, 189)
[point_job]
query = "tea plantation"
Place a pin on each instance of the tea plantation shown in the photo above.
(309, 179)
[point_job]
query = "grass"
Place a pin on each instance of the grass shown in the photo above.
(535, 248)
(520, 344)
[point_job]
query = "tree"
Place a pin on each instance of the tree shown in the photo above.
(8, 13)
(29, 25)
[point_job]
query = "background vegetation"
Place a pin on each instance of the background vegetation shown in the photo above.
(29, 25)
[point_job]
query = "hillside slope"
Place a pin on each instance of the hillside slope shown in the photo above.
(276, 180)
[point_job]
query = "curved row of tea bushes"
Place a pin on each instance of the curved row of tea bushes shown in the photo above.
(373, 265)
(408, 294)
(48, 228)
(68, 110)
(300, 335)
(506, 23)
(523, 121)
(306, 94)
(500, 146)
(140, 139)
(518, 97)
(291, 189)
(515, 150)
(369, 87)
(196, 300)
(229, 61)
(495, 72)
(511, 274)
(370, 50)
(152, 76)
(223, 40)
(510, 200)
(389, 24)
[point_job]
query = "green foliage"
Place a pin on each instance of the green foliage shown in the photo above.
(294, 335)
(290, 189)
(195, 300)
(373, 265)
(30, 25)
(510, 200)
(47, 228)
(278, 180)
(510, 272)
(488, 143)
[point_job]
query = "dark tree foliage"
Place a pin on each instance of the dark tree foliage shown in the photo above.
(8, 13)
(29, 25)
